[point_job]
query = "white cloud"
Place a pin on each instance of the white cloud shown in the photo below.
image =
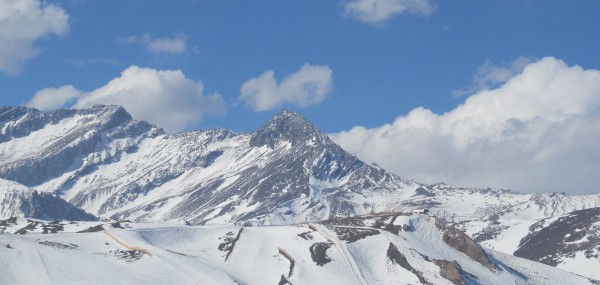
(171, 45)
(308, 86)
(53, 98)
(379, 11)
(539, 131)
(164, 97)
(489, 75)
(22, 23)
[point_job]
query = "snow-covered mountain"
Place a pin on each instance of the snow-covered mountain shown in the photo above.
(103, 161)
(112, 166)
(17, 200)
(374, 249)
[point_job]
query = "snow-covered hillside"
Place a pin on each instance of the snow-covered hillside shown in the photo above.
(383, 249)
(17, 200)
(112, 166)
(571, 242)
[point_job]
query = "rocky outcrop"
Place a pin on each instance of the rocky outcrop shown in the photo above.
(452, 271)
(45, 206)
(397, 257)
(465, 244)
(578, 231)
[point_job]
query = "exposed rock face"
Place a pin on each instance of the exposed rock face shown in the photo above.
(17, 200)
(465, 244)
(578, 231)
(452, 271)
(288, 126)
(351, 235)
(490, 232)
(45, 206)
(439, 224)
(396, 256)
(318, 253)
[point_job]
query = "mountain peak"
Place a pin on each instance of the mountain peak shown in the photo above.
(288, 114)
(285, 126)
(115, 112)
(290, 119)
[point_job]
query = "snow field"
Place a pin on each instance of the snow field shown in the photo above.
(196, 255)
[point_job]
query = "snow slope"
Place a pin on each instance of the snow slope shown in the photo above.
(396, 250)
(570, 242)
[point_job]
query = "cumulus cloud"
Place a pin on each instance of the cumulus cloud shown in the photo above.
(22, 23)
(379, 11)
(164, 97)
(308, 86)
(489, 75)
(167, 45)
(53, 98)
(539, 131)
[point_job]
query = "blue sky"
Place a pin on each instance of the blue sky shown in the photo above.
(348, 66)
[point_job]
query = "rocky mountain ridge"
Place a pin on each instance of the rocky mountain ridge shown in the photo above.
(112, 166)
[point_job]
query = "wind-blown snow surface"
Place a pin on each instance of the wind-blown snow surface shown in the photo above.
(112, 166)
(408, 252)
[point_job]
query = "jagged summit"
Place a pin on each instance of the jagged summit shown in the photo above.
(37, 146)
(19, 121)
(287, 126)
(8, 113)
(287, 113)
(107, 110)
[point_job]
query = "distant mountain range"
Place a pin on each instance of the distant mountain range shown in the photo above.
(109, 165)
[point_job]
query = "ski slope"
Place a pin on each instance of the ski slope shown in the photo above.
(379, 249)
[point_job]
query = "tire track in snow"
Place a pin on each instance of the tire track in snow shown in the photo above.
(343, 250)
(26, 263)
(115, 238)
(196, 270)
